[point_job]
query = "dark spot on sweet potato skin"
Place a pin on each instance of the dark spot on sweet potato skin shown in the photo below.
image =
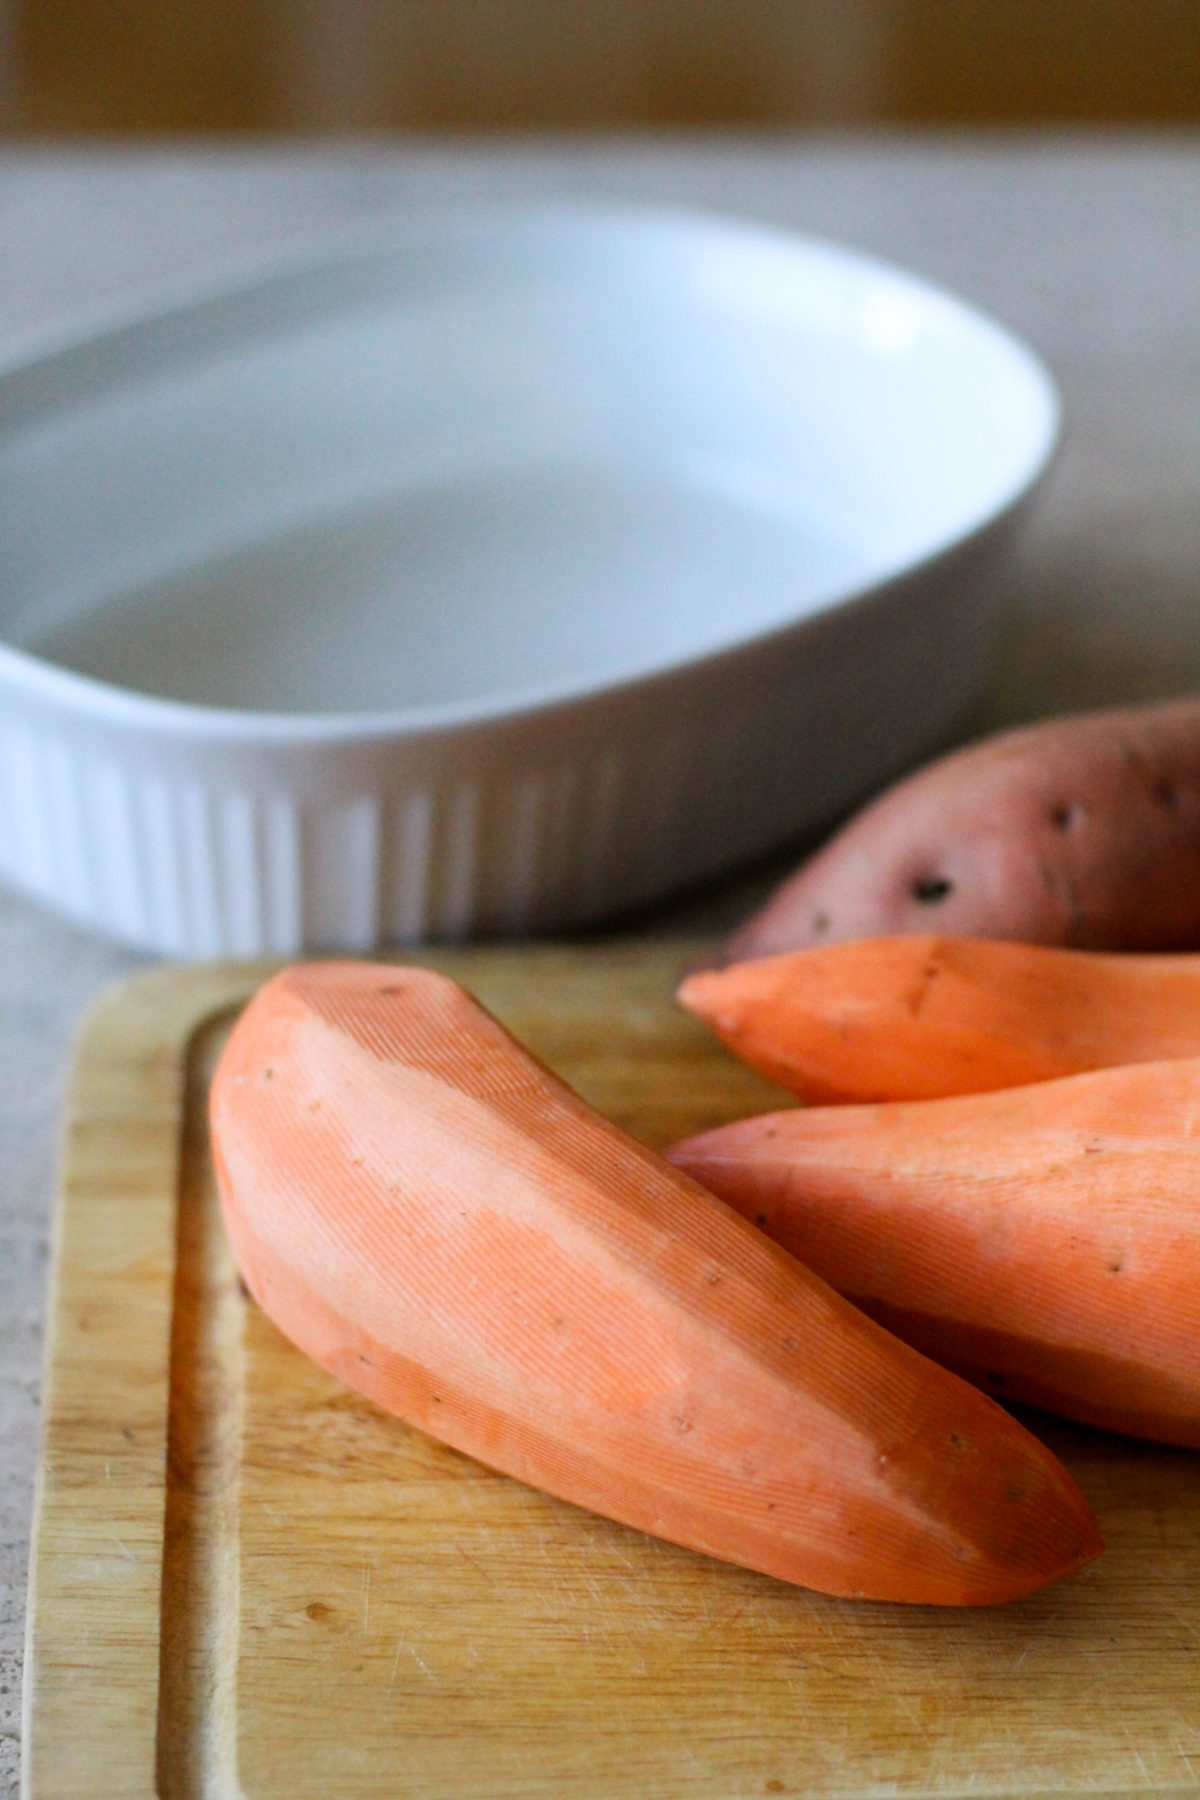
(928, 890)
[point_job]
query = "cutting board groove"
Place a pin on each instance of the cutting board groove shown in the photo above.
(197, 1749)
(249, 1584)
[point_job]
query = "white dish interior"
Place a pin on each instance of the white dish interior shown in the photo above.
(503, 460)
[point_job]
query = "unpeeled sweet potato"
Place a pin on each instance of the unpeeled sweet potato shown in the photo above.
(1081, 831)
(438, 1220)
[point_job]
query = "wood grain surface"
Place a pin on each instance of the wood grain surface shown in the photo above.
(426, 65)
(247, 1581)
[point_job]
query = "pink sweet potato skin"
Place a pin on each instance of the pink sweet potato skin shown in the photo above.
(1080, 831)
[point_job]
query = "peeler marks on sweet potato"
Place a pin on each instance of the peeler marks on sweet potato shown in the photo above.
(433, 1216)
(1044, 1240)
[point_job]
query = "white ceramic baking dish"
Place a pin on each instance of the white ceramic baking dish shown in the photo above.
(495, 571)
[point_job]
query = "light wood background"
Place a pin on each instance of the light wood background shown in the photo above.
(72, 67)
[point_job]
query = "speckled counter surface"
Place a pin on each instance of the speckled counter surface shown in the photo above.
(1090, 247)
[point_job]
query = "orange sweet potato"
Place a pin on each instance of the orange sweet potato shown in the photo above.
(914, 1018)
(1044, 1241)
(434, 1217)
(1082, 831)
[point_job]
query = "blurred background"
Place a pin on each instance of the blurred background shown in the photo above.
(104, 67)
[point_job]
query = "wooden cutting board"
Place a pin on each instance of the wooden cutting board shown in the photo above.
(246, 1581)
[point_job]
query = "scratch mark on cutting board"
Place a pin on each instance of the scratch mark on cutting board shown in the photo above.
(908, 1709)
(1187, 1757)
(366, 1597)
(402, 1645)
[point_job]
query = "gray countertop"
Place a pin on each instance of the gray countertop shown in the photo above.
(1088, 246)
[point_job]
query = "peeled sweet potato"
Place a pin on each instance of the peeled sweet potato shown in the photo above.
(1081, 831)
(438, 1220)
(915, 1018)
(1044, 1240)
